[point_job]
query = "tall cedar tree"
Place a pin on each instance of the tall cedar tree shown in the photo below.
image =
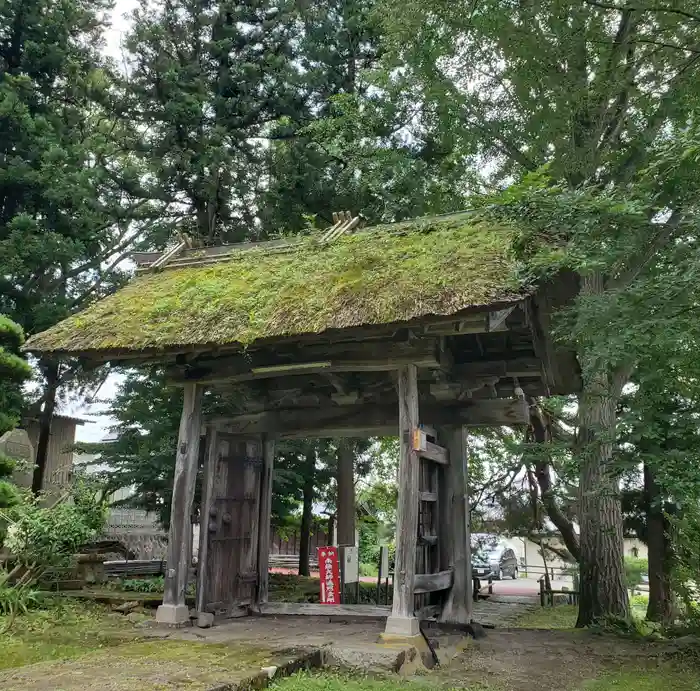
(206, 81)
(351, 149)
(64, 212)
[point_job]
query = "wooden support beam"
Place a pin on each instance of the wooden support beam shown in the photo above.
(265, 521)
(373, 420)
(209, 475)
(517, 367)
(314, 609)
(432, 582)
(428, 539)
(346, 495)
(371, 356)
(454, 526)
(402, 620)
(174, 609)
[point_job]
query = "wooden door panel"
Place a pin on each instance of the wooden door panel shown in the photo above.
(230, 571)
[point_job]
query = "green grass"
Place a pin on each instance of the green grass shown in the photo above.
(665, 678)
(63, 630)
(559, 617)
(305, 681)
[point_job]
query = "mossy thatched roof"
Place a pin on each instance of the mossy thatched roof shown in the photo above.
(392, 273)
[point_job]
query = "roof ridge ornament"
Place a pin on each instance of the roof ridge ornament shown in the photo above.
(185, 242)
(343, 222)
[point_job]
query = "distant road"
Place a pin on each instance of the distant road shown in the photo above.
(525, 586)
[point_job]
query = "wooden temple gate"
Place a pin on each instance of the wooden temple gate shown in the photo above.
(450, 359)
(432, 573)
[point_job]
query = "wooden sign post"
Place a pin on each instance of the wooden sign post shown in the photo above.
(330, 575)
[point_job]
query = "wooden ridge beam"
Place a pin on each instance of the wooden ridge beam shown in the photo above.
(372, 420)
(432, 582)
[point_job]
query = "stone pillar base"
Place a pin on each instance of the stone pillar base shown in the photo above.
(406, 627)
(174, 615)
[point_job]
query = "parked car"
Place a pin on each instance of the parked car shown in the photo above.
(493, 558)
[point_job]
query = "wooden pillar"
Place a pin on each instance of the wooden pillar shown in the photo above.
(210, 461)
(402, 621)
(346, 494)
(174, 610)
(455, 531)
(265, 520)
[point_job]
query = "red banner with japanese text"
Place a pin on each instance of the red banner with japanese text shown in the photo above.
(330, 575)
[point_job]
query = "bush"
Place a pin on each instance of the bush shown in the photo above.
(143, 585)
(369, 569)
(15, 599)
(39, 537)
(635, 567)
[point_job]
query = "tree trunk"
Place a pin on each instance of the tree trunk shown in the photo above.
(306, 515)
(330, 538)
(51, 372)
(660, 606)
(603, 587)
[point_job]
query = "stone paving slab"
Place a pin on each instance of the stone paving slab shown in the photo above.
(502, 611)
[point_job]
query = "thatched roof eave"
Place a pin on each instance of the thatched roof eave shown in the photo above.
(391, 275)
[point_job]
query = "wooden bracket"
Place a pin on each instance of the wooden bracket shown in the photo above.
(432, 582)
(426, 449)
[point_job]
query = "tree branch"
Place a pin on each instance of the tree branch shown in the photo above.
(637, 265)
(640, 8)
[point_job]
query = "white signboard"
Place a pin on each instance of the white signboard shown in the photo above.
(351, 563)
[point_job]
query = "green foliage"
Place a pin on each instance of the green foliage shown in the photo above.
(64, 207)
(14, 370)
(15, 600)
(190, 92)
(39, 537)
(669, 677)
(147, 411)
(142, 585)
(369, 542)
(635, 567)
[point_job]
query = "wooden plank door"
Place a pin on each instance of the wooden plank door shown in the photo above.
(230, 516)
(431, 581)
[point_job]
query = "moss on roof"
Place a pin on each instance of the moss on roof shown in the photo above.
(398, 272)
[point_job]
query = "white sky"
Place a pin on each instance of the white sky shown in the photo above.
(120, 25)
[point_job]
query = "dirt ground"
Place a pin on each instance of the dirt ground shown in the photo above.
(522, 660)
(150, 658)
